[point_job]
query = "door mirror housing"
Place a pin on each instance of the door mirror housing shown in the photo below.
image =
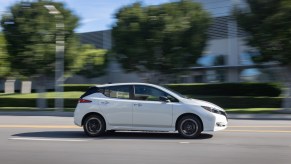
(164, 99)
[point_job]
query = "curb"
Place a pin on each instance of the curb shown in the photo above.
(260, 116)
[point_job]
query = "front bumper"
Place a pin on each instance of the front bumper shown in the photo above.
(220, 122)
(215, 122)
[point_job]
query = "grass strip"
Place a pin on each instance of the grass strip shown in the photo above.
(253, 110)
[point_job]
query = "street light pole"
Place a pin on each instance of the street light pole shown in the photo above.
(59, 64)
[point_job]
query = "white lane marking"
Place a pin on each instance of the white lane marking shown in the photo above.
(184, 142)
(259, 131)
(267, 126)
(46, 139)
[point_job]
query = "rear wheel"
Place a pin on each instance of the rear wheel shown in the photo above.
(189, 127)
(94, 126)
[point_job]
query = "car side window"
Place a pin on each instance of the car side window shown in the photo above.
(120, 92)
(147, 93)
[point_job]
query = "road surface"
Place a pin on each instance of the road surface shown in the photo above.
(55, 140)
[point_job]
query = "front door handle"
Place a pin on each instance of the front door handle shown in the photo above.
(138, 104)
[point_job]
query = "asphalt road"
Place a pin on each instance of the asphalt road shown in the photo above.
(55, 140)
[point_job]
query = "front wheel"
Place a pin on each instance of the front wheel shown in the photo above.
(94, 126)
(189, 127)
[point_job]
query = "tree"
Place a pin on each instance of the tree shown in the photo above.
(268, 24)
(4, 64)
(32, 36)
(92, 62)
(31, 32)
(160, 38)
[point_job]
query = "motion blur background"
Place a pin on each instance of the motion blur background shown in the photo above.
(241, 47)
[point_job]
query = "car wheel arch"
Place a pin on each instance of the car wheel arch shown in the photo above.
(93, 113)
(188, 114)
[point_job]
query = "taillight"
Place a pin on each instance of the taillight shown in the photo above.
(84, 101)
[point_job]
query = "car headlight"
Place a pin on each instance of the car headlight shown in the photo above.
(207, 108)
(214, 110)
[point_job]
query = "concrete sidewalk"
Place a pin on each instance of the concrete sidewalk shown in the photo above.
(70, 114)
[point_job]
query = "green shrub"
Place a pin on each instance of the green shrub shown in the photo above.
(224, 102)
(220, 94)
(31, 102)
(77, 87)
(244, 102)
(228, 89)
(222, 89)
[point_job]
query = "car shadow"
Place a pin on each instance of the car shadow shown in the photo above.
(52, 134)
(114, 135)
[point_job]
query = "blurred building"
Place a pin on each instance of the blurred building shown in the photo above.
(114, 71)
(100, 39)
(226, 40)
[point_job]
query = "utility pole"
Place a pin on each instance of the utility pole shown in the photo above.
(60, 49)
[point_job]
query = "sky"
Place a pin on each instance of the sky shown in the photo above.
(95, 15)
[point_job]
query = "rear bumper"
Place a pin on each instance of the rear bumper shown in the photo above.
(78, 117)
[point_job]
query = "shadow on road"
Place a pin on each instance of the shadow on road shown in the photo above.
(115, 135)
(52, 134)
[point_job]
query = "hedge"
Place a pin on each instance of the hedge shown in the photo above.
(224, 102)
(222, 89)
(244, 102)
(77, 87)
(252, 95)
(229, 89)
(31, 102)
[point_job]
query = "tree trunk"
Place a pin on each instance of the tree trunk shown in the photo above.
(286, 103)
(41, 92)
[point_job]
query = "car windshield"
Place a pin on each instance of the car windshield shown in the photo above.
(177, 93)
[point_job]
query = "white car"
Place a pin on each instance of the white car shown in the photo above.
(145, 107)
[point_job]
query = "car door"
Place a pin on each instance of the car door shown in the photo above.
(117, 105)
(148, 110)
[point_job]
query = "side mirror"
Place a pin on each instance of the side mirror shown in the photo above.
(164, 99)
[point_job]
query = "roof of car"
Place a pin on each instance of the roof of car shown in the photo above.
(117, 84)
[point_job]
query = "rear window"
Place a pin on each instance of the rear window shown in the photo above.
(120, 92)
(90, 91)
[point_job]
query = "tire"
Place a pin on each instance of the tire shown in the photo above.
(94, 126)
(189, 127)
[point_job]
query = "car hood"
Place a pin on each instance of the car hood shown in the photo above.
(202, 103)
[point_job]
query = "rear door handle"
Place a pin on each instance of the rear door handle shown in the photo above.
(104, 102)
